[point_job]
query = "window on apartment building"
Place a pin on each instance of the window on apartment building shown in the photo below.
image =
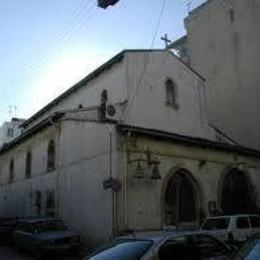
(50, 204)
(231, 15)
(51, 156)
(171, 93)
(28, 165)
(10, 132)
(11, 171)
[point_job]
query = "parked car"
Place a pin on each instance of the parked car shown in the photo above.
(233, 227)
(250, 249)
(162, 245)
(7, 227)
(45, 235)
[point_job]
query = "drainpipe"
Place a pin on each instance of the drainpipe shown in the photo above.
(112, 192)
(58, 172)
(113, 204)
(124, 185)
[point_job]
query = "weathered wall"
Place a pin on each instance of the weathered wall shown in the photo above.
(82, 164)
(147, 73)
(148, 108)
(223, 45)
(18, 198)
(112, 79)
(143, 198)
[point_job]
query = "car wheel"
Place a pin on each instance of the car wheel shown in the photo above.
(38, 254)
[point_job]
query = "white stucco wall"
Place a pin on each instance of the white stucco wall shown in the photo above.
(85, 165)
(148, 107)
(82, 164)
(113, 80)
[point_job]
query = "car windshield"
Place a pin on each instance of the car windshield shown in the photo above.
(215, 224)
(48, 226)
(249, 251)
(122, 249)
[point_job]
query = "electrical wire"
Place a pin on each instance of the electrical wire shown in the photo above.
(146, 59)
(71, 19)
(79, 13)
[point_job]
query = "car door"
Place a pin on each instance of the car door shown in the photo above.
(243, 230)
(176, 248)
(207, 247)
(19, 235)
(255, 224)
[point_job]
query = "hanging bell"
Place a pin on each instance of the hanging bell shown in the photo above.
(155, 172)
(139, 172)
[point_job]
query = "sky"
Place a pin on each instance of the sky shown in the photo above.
(47, 46)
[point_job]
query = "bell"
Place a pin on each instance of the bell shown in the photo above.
(155, 172)
(139, 172)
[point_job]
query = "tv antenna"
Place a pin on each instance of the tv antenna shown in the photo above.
(188, 4)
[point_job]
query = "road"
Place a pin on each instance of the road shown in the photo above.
(10, 253)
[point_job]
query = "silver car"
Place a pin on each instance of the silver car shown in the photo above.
(232, 227)
(163, 245)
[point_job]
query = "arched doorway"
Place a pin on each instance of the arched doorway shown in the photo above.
(180, 200)
(237, 196)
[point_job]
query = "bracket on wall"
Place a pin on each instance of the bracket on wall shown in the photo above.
(149, 161)
(113, 184)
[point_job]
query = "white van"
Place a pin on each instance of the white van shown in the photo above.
(237, 227)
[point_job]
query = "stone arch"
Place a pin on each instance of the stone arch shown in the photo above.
(236, 193)
(181, 199)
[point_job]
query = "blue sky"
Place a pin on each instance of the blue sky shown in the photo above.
(47, 46)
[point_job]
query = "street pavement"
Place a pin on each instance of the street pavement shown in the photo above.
(11, 253)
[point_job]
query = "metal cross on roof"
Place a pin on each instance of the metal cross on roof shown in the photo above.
(166, 40)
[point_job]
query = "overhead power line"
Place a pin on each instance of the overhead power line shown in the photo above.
(74, 23)
(146, 58)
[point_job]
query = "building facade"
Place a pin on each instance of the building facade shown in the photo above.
(127, 148)
(10, 130)
(222, 44)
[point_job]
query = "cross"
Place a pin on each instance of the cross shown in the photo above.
(166, 40)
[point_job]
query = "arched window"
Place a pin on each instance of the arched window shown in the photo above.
(170, 93)
(11, 171)
(28, 165)
(51, 156)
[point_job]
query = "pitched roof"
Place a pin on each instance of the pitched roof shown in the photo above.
(188, 140)
(116, 59)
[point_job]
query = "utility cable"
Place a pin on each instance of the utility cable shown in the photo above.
(146, 59)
